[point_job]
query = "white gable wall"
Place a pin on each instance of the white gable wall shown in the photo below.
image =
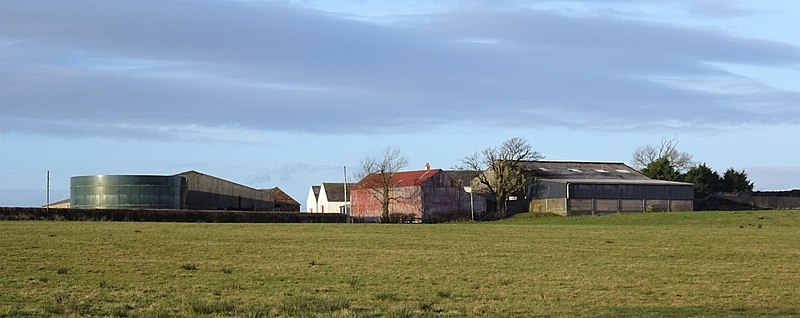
(329, 206)
(312, 206)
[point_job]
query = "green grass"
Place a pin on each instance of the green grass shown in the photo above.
(719, 264)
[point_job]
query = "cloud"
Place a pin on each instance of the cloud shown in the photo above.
(286, 171)
(720, 9)
(171, 70)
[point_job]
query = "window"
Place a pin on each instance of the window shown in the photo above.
(601, 170)
(575, 170)
(544, 169)
(623, 171)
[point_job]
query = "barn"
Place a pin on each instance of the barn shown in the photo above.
(282, 201)
(424, 195)
(205, 192)
(595, 188)
(473, 201)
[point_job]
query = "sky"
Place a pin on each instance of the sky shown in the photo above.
(288, 93)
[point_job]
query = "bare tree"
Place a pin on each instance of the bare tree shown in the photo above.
(499, 169)
(380, 171)
(668, 148)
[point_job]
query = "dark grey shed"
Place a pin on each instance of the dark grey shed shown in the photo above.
(205, 192)
(591, 188)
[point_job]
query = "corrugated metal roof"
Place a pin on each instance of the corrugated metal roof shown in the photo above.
(194, 172)
(399, 179)
(617, 181)
(581, 170)
(463, 177)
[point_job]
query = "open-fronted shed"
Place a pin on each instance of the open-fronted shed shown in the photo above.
(593, 188)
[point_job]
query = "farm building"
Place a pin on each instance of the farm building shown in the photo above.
(330, 197)
(189, 190)
(595, 188)
(63, 204)
(205, 192)
(424, 195)
(470, 201)
(283, 202)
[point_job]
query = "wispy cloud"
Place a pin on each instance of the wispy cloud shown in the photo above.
(235, 69)
(720, 9)
(285, 172)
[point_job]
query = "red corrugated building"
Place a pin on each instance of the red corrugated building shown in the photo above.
(425, 195)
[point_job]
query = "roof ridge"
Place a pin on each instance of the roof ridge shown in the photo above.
(573, 161)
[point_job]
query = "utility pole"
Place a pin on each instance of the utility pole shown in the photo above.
(471, 204)
(47, 200)
(346, 211)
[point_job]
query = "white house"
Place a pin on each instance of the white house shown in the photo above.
(328, 198)
(312, 201)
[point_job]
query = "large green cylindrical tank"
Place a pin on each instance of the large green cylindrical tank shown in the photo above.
(126, 192)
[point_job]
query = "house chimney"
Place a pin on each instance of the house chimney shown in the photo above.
(427, 166)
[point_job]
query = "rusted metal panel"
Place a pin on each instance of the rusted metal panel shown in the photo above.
(441, 194)
(438, 193)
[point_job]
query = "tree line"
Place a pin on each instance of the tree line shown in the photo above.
(666, 162)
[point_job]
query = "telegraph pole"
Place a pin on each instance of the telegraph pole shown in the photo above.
(346, 211)
(47, 202)
(471, 204)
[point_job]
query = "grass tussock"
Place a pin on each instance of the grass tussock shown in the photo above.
(309, 305)
(443, 293)
(64, 305)
(386, 295)
(208, 307)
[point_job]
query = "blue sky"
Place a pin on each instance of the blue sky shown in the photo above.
(286, 93)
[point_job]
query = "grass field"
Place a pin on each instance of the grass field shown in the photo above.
(728, 264)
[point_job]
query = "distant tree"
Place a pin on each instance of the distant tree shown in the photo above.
(499, 169)
(736, 181)
(705, 180)
(662, 169)
(384, 167)
(644, 156)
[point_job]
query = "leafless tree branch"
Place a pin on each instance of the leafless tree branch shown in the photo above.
(499, 169)
(668, 148)
(383, 168)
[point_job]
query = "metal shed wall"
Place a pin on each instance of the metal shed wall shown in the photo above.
(631, 191)
(588, 198)
(126, 192)
(545, 189)
(438, 195)
(204, 192)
